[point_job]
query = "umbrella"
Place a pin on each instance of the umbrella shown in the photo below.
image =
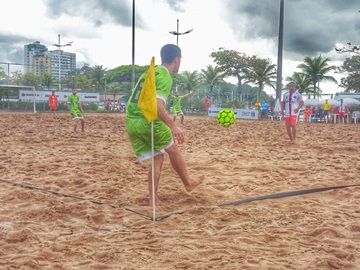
(312, 102)
(330, 101)
(277, 107)
(350, 101)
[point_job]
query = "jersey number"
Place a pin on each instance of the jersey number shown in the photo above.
(137, 91)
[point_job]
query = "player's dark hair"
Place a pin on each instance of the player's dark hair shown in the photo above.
(169, 52)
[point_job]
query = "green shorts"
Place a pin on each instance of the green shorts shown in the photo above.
(139, 132)
(76, 114)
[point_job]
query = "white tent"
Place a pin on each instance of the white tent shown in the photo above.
(350, 101)
(312, 102)
(330, 101)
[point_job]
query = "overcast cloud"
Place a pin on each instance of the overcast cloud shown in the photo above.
(311, 27)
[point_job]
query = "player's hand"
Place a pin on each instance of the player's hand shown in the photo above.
(178, 135)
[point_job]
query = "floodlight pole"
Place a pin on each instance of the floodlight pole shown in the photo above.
(280, 52)
(177, 34)
(59, 46)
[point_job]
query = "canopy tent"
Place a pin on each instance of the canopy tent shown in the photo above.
(312, 102)
(330, 101)
(350, 101)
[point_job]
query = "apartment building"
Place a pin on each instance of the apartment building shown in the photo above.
(39, 60)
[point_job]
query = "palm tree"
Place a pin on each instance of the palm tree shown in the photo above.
(211, 77)
(302, 81)
(97, 74)
(316, 69)
(189, 80)
(262, 73)
(47, 81)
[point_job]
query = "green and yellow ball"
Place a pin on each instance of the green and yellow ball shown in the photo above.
(226, 117)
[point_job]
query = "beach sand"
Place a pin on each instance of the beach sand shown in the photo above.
(68, 200)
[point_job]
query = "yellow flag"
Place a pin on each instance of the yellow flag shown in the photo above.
(147, 100)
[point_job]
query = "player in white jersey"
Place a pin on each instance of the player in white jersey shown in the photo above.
(291, 103)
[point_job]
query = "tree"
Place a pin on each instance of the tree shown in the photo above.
(262, 73)
(97, 74)
(3, 77)
(316, 69)
(211, 77)
(188, 81)
(302, 81)
(47, 80)
(232, 64)
(351, 67)
(30, 79)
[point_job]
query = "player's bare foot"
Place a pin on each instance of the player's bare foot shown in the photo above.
(194, 183)
(158, 202)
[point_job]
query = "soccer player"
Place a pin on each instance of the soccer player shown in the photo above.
(166, 132)
(177, 110)
(291, 103)
(53, 102)
(76, 110)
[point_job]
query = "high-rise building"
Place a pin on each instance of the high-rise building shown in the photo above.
(30, 51)
(38, 60)
(41, 64)
(67, 63)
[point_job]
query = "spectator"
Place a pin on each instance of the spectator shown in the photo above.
(342, 111)
(326, 108)
(264, 109)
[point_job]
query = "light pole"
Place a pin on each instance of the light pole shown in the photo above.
(177, 34)
(59, 46)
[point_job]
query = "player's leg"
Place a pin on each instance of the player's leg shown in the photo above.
(178, 163)
(82, 122)
(288, 128)
(158, 162)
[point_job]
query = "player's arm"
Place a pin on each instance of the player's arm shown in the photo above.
(301, 103)
(81, 109)
(168, 120)
(282, 107)
(69, 108)
(188, 94)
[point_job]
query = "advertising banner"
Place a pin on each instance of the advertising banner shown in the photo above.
(27, 95)
(239, 113)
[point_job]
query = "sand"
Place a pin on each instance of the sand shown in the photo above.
(66, 199)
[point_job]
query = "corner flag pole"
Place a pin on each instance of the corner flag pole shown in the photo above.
(153, 171)
(148, 105)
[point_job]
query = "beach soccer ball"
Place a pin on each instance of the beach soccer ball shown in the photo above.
(226, 118)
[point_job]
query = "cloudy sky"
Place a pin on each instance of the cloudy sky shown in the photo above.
(101, 30)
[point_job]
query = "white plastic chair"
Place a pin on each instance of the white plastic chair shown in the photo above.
(355, 117)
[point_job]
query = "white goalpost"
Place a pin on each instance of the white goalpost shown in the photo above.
(22, 87)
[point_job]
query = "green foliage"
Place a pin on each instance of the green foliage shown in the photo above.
(30, 79)
(351, 67)
(316, 69)
(261, 73)
(302, 81)
(47, 81)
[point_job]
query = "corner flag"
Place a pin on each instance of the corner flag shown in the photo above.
(147, 100)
